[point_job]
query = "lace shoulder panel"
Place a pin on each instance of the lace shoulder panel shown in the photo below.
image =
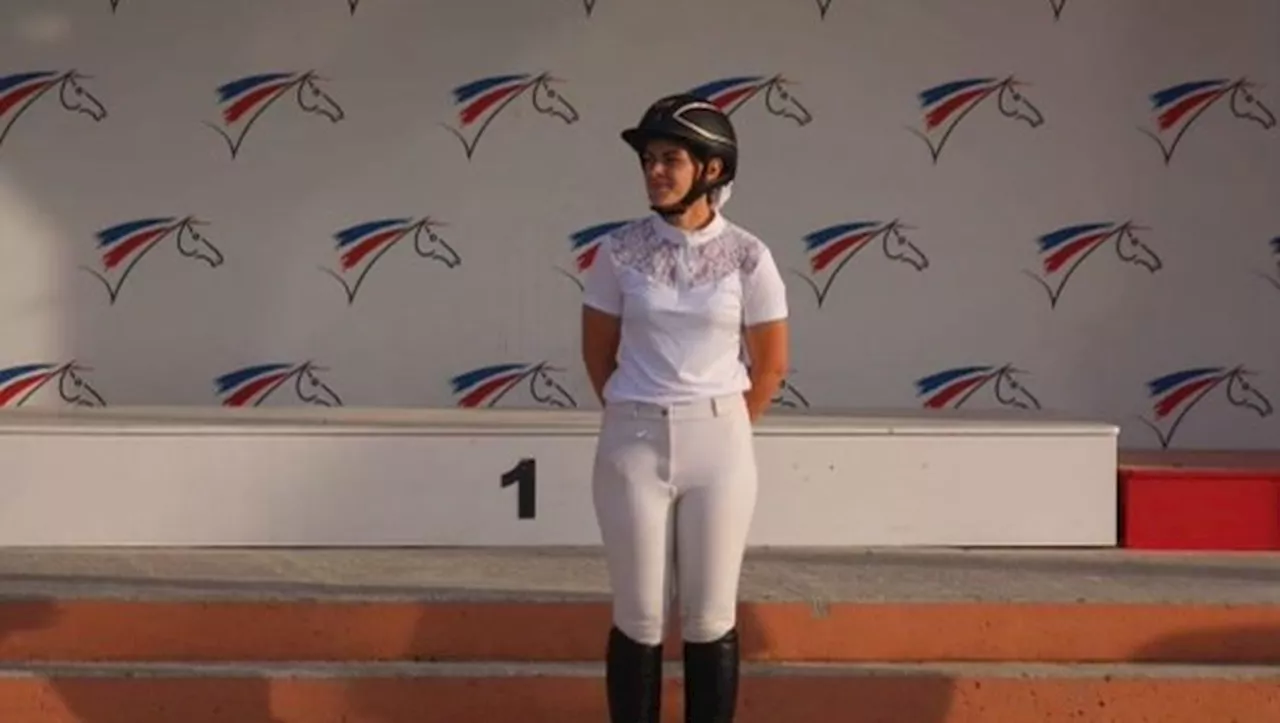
(641, 248)
(732, 252)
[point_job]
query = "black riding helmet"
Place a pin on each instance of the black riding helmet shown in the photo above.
(702, 128)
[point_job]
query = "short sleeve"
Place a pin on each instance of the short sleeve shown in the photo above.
(764, 294)
(600, 287)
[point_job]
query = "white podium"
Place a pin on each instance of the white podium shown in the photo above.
(360, 477)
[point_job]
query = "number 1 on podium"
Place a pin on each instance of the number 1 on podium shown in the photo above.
(525, 477)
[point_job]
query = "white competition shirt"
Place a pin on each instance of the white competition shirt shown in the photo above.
(683, 297)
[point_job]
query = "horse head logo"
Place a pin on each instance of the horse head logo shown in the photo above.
(122, 247)
(193, 244)
(245, 100)
(831, 248)
(482, 101)
(20, 91)
(75, 98)
(1063, 250)
(730, 94)
(789, 396)
(952, 388)
(250, 386)
(314, 100)
(946, 105)
(18, 384)
(1174, 395)
(1177, 108)
(1133, 250)
(360, 246)
(486, 386)
(548, 101)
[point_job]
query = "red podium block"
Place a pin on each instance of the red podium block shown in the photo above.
(1200, 501)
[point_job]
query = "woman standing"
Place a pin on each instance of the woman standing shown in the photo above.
(668, 305)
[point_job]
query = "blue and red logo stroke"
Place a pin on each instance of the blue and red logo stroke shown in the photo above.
(946, 105)
(252, 385)
(1176, 109)
(121, 247)
(485, 386)
(731, 94)
(584, 244)
(481, 101)
(362, 245)
(831, 248)
(1176, 394)
(245, 100)
(21, 382)
(20, 91)
(1063, 250)
(953, 387)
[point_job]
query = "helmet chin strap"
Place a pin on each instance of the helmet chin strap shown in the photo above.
(699, 188)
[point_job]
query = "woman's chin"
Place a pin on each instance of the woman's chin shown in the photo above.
(663, 199)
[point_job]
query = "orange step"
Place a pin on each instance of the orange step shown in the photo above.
(176, 644)
(261, 631)
(551, 693)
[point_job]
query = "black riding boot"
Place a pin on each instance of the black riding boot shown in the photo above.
(711, 680)
(633, 679)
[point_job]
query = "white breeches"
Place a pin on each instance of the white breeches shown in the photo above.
(674, 489)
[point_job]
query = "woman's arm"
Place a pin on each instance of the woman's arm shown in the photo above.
(765, 331)
(601, 318)
(600, 335)
(767, 347)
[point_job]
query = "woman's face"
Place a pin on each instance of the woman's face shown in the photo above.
(669, 171)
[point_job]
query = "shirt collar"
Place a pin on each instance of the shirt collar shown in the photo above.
(696, 237)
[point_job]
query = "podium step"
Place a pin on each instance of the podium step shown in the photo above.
(319, 631)
(573, 693)
(427, 636)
